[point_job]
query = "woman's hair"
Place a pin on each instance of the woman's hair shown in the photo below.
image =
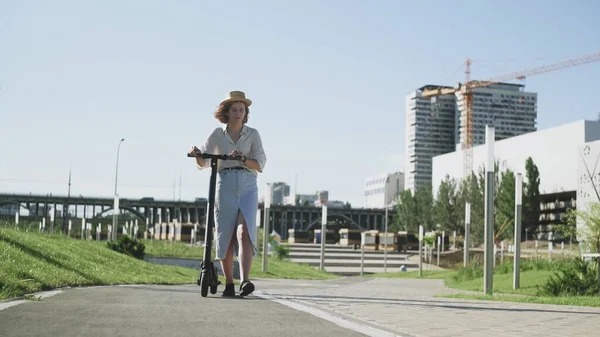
(222, 110)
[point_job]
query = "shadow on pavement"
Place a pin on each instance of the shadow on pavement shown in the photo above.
(461, 305)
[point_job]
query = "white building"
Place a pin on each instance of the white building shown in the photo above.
(435, 127)
(383, 189)
(553, 150)
(556, 152)
(588, 177)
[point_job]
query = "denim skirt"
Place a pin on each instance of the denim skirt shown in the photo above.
(236, 191)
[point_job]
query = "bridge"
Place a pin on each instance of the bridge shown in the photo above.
(147, 210)
(150, 211)
(307, 218)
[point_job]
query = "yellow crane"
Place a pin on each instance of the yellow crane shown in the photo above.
(466, 89)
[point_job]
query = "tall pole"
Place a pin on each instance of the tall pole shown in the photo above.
(266, 216)
(116, 208)
(518, 210)
(489, 212)
(385, 202)
(467, 243)
(386, 238)
(420, 250)
(265, 237)
(323, 231)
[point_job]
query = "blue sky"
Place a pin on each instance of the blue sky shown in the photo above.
(328, 80)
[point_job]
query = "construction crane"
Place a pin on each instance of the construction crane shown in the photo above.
(466, 90)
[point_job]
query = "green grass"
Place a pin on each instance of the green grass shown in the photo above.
(534, 273)
(584, 301)
(503, 283)
(175, 249)
(31, 262)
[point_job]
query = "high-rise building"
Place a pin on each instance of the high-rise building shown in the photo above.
(278, 191)
(508, 107)
(430, 131)
(434, 125)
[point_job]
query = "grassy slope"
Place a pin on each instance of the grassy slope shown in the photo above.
(31, 262)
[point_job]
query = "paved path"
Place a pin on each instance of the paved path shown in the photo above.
(408, 307)
(159, 311)
(351, 306)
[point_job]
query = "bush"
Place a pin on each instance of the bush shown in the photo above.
(280, 252)
(429, 240)
(575, 278)
(472, 271)
(126, 245)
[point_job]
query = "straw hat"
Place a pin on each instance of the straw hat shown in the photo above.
(237, 96)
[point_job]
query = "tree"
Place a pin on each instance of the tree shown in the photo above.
(505, 205)
(589, 232)
(424, 205)
(476, 196)
(462, 192)
(445, 207)
(531, 197)
(405, 218)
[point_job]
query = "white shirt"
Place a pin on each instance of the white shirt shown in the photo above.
(250, 144)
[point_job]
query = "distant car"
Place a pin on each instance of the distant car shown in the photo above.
(147, 199)
(201, 200)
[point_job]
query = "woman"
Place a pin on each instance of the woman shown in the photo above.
(236, 199)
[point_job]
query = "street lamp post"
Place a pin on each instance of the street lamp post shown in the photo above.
(116, 204)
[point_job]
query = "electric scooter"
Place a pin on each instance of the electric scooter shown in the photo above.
(208, 277)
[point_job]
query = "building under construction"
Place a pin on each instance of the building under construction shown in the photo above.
(434, 126)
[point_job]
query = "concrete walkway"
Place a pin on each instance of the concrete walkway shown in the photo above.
(351, 306)
(408, 307)
(148, 311)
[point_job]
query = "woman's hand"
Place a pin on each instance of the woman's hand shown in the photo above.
(237, 153)
(195, 151)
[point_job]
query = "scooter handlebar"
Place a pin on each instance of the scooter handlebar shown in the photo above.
(215, 156)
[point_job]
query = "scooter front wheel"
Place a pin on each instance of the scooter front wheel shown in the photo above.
(204, 280)
(214, 280)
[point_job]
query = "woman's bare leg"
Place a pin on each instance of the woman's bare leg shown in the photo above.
(227, 263)
(245, 248)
